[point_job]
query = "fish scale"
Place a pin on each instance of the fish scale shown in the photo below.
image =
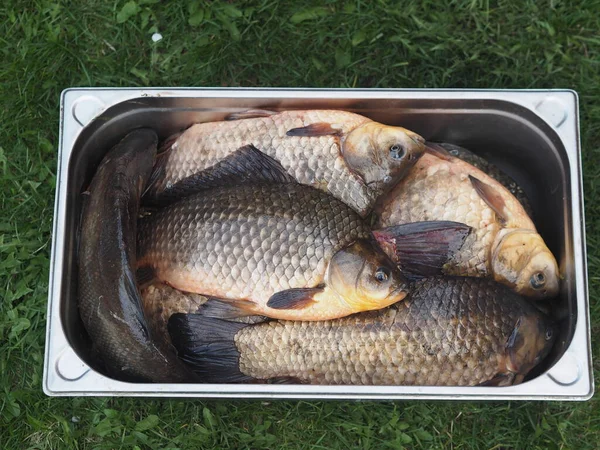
(248, 243)
(433, 192)
(316, 160)
(450, 331)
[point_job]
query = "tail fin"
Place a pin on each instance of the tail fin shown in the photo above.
(422, 248)
(207, 345)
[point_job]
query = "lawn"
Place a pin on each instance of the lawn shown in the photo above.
(47, 46)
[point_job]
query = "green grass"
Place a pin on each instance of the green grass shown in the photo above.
(47, 46)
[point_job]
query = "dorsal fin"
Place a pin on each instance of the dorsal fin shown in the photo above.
(315, 129)
(492, 198)
(246, 165)
(250, 114)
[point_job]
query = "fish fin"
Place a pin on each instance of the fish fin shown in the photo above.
(133, 292)
(513, 343)
(438, 151)
(284, 380)
(167, 144)
(294, 298)
(246, 165)
(250, 114)
(157, 173)
(492, 198)
(217, 308)
(501, 379)
(144, 276)
(422, 248)
(315, 129)
(160, 162)
(207, 345)
(85, 198)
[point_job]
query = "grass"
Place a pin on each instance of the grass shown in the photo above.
(47, 46)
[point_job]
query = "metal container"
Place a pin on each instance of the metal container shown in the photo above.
(532, 135)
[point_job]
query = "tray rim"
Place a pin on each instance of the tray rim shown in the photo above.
(55, 384)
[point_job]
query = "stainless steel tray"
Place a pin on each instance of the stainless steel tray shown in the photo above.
(533, 135)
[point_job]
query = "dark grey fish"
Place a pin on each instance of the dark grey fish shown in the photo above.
(109, 300)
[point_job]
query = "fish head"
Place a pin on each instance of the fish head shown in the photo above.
(364, 277)
(522, 261)
(529, 343)
(380, 154)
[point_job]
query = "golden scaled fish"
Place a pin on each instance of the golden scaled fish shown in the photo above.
(350, 156)
(281, 250)
(449, 331)
(504, 243)
(493, 171)
(109, 300)
(285, 251)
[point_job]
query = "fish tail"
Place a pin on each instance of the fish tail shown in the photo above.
(207, 345)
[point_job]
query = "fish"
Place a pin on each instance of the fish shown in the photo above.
(285, 251)
(493, 171)
(348, 155)
(108, 298)
(280, 250)
(449, 331)
(504, 243)
(161, 301)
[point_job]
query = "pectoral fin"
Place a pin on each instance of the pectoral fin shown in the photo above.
(284, 380)
(422, 248)
(492, 198)
(250, 114)
(438, 151)
(294, 298)
(85, 198)
(501, 379)
(315, 129)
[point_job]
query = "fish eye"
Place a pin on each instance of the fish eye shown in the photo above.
(549, 334)
(538, 280)
(397, 152)
(382, 274)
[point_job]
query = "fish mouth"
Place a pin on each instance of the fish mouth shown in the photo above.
(401, 291)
